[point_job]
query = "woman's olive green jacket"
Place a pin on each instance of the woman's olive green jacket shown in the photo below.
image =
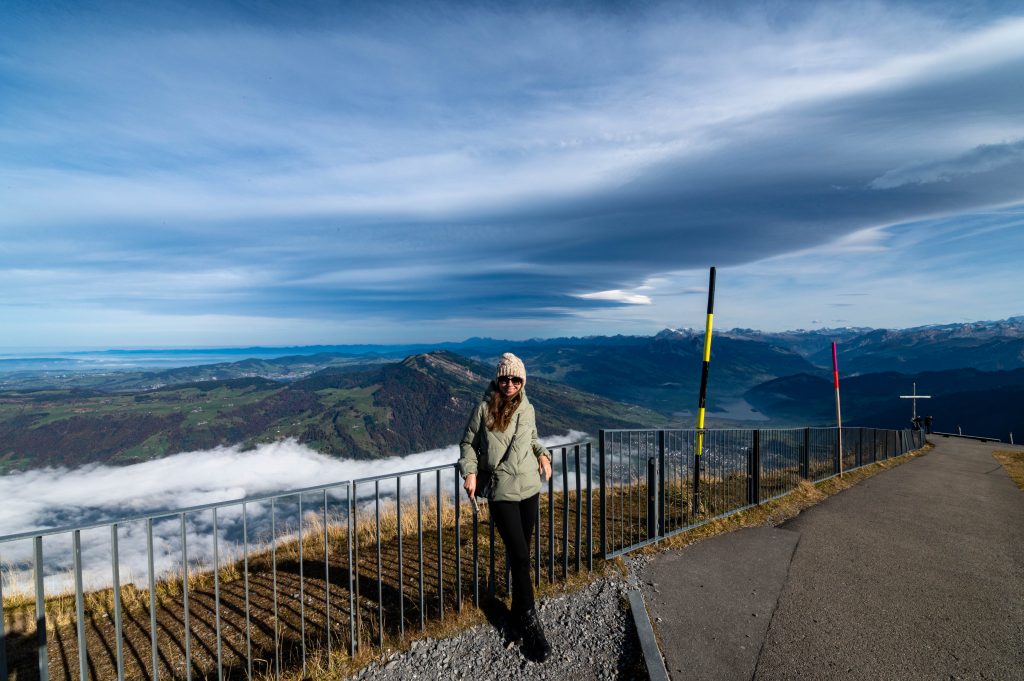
(518, 477)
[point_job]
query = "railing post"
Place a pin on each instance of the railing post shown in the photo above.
(837, 463)
(83, 648)
(3, 635)
(43, 654)
(652, 498)
(458, 541)
(579, 507)
(590, 512)
(565, 513)
(754, 469)
(380, 564)
(805, 456)
(476, 556)
(327, 582)
(551, 532)
(440, 554)
(302, 592)
(115, 566)
(493, 578)
(661, 483)
(602, 492)
(154, 645)
(353, 557)
(697, 451)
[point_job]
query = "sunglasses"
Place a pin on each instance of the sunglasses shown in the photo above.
(510, 379)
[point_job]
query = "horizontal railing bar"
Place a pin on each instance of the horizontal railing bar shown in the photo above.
(433, 469)
(402, 474)
(166, 514)
(707, 430)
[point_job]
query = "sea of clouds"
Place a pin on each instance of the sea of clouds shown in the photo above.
(99, 495)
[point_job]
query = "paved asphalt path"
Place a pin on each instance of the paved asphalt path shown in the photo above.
(915, 573)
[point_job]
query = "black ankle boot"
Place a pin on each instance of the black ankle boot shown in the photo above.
(536, 644)
(513, 630)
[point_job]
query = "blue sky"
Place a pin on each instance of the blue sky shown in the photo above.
(203, 174)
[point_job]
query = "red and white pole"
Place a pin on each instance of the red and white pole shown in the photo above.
(839, 413)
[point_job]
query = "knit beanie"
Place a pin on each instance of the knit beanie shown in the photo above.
(510, 365)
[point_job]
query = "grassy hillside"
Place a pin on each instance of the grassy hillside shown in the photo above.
(392, 409)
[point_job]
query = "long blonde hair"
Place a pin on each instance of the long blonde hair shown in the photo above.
(500, 409)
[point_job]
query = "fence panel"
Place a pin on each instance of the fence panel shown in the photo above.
(780, 461)
(822, 453)
(724, 472)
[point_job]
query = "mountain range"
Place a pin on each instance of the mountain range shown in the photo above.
(372, 401)
(377, 410)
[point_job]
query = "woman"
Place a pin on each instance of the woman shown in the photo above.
(501, 437)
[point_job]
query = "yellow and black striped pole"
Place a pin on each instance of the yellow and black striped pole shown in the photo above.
(839, 413)
(703, 395)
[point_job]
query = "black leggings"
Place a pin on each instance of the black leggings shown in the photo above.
(516, 521)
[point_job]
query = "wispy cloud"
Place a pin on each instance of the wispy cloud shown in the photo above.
(982, 159)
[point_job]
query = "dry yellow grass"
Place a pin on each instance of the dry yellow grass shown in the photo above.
(1013, 462)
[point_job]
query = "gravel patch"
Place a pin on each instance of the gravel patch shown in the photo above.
(591, 633)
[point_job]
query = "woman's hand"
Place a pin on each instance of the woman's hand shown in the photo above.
(470, 485)
(544, 467)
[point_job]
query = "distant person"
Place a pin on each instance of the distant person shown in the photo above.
(501, 440)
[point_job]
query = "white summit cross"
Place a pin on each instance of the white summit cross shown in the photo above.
(915, 397)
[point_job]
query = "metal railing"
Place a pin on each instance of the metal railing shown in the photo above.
(250, 587)
(649, 489)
